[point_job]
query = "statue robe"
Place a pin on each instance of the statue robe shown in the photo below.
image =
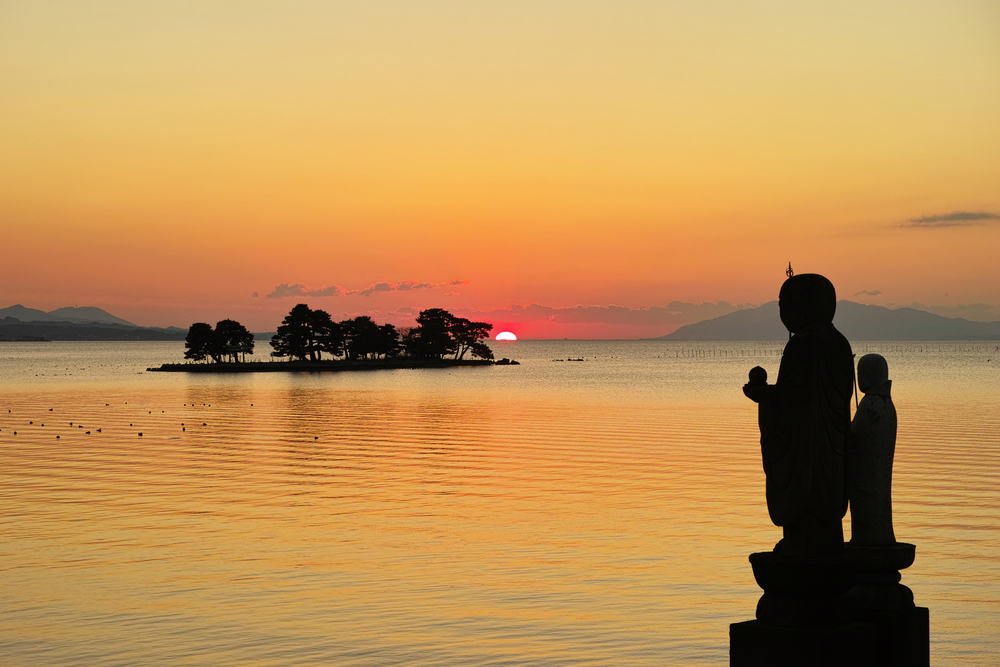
(805, 420)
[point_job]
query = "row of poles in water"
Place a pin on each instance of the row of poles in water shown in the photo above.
(767, 350)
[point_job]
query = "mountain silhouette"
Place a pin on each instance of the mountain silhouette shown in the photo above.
(855, 320)
(76, 315)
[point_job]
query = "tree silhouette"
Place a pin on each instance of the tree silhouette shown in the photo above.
(327, 334)
(198, 344)
(305, 334)
(481, 350)
(294, 337)
(361, 334)
(409, 341)
(468, 336)
(231, 339)
(387, 341)
(438, 333)
(431, 338)
(367, 340)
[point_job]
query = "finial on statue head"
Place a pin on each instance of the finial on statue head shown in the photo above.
(789, 272)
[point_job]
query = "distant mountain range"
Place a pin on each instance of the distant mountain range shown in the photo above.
(87, 323)
(85, 315)
(855, 320)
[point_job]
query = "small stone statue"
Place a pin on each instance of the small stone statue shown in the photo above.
(877, 596)
(873, 443)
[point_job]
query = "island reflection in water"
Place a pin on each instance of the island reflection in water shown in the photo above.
(597, 512)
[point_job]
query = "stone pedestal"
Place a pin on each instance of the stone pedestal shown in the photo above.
(802, 618)
(802, 593)
(850, 610)
(879, 599)
(877, 586)
(756, 644)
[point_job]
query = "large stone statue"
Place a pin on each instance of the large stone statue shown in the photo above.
(824, 602)
(805, 422)
(873, 443)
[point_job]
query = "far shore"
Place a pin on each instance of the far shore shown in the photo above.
(330, 365)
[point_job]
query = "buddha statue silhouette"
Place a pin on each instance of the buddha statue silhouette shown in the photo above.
(805, 421)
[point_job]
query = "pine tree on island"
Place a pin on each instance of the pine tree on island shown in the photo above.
(367, 340)
(199, 341)
(230, 341)
(431, 339)
(233, 340)
(469, 338)
(439, 333)
(305, 334)
(328, 336)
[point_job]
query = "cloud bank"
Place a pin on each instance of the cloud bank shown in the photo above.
(299, 290)
(676, 313)
(953, 219)
(285, 290)
(873, 292)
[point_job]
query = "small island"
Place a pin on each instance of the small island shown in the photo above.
(440, 340)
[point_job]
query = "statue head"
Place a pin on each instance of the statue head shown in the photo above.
(806, 299)
(872, 372)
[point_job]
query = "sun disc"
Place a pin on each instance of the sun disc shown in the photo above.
(506, 335)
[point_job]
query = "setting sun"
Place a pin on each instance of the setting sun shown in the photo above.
(506, 335)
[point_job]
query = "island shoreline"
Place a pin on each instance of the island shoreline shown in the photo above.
(332, 365)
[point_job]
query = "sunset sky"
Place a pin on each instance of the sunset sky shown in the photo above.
(529, 163)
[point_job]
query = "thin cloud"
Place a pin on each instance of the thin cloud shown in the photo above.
(299, 290)
(953, 219)
(404, 286)
(284, 289)
(375, 289)
(332, 290)
(873, 292)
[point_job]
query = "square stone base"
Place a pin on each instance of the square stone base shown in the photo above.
(899, 639)
(905, 635)
(753, 644)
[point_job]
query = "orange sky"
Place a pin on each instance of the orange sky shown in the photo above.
(167, 160)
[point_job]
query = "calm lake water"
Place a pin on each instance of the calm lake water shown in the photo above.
(595, 512)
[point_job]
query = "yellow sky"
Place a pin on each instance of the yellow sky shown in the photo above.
(165, 160)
